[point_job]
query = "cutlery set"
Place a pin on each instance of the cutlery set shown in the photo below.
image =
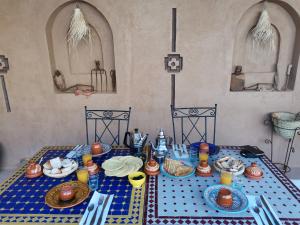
(102, 201)
(264, 212)
(180, 151)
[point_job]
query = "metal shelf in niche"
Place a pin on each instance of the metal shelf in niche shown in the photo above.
(284, 167)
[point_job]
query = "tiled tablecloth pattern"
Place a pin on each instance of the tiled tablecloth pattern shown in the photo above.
(180, 201)
(22, 200)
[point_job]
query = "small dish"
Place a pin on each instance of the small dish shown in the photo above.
(106, 149)
(229, 164)
(164, 172)
(80, 189)
(62, 171)
(152, 168)
(239, 199)
(138, 182)
(33, 170)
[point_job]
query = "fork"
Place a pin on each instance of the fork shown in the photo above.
(100, 202)
(259, 205)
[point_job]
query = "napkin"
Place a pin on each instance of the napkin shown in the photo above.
(78, 151)
(94, 200)
(252, 204)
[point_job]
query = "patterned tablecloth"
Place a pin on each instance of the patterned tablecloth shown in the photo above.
(180, 201)
(161, 201)
(22, 200)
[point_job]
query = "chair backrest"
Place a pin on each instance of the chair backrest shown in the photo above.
(106, 125)
(194, 123)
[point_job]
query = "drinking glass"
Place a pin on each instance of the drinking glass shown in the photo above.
(86, 158)
(93, 182)
(226, 177)
(203, 156)
(237, 182)
(82, 175)
(193, 154)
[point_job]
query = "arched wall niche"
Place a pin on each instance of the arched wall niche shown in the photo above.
(76, 64)
(263, 66)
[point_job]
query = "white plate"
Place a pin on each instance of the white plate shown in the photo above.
(237, 173)
(61, 175)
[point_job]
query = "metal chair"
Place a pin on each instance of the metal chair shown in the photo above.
(194, 123)
(105, 125)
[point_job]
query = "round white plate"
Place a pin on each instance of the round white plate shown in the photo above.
(61, 175)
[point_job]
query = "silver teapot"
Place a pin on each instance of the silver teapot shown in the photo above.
(161, 150)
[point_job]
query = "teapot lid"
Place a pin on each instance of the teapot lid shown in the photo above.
(161, 133)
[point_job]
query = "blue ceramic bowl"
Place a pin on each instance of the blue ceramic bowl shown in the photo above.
(213, 149)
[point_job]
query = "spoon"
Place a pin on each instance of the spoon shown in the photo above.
(90, 208)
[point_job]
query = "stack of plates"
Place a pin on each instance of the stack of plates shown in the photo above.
(121, 166)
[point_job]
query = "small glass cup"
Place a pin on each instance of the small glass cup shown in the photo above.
(226, 177)
(203, 156)
(93, 182)
(193, 154)
(86, 158)
(237, 182)
(82, 175)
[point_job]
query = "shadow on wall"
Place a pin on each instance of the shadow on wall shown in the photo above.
(2, 156)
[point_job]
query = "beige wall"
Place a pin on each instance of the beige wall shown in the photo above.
(141, 30)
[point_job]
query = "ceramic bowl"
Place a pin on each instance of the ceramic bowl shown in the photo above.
(66, 192)
(152, 168)
(225, 198)
(137, 183)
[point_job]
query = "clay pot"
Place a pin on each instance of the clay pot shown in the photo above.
(96, 148)
(66, 192)
(253, 171)
(203, 169)
(33, 169)
(225, 198)
(204, 147)
(92, 167)
(152, 168)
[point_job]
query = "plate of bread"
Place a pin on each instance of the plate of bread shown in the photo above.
(176, 168)
(59, 167)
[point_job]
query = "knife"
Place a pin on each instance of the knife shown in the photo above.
(102, 211)
(269, 210)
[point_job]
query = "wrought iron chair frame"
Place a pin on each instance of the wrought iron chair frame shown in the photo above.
(106, 117)
(194, 112)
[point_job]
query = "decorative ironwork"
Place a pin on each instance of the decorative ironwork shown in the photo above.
(193, 116)
(4, 66)
(173, 63)
(284, 167)
(103, 122)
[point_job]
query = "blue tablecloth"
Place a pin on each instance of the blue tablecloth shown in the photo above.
(22, 200)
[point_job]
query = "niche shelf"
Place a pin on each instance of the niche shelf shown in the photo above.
(258, 70)
(74, 66)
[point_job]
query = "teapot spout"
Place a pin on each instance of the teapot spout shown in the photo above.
(152, 145)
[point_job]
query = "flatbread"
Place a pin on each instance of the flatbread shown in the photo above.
(112, 164)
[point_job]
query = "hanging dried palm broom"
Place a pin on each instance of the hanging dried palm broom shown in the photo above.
(79, 29)
(262, 34)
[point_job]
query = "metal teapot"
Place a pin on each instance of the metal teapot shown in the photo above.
(136, 142)
(161, 149)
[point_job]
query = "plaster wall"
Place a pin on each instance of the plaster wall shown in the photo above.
(142, 37)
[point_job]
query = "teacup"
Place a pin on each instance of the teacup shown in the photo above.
(66, 192)
(224, 197)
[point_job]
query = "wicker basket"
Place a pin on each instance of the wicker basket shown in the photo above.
(285, 123)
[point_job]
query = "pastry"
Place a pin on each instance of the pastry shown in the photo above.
(176, 168)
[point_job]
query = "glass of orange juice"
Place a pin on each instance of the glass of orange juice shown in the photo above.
(83, 175)
(86, 158)
(226, 177)
(203, 156)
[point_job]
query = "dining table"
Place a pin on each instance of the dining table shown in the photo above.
(162, 200)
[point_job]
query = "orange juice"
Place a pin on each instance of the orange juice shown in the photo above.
(86, 158)
(226, 177)
(83, 175)
(203, 156)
